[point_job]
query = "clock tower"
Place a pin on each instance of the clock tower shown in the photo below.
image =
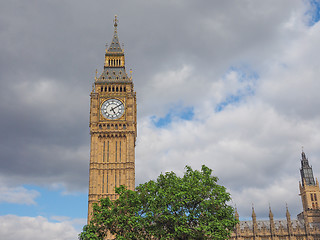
(113, 127)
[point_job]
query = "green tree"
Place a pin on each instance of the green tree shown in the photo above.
(190, 207)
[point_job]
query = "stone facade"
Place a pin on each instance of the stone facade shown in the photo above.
(305, 227)
(113, 127)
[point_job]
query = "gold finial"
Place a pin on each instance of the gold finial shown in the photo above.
(115, 21)
(95, 78)
(92, 87)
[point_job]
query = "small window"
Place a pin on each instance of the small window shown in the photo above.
(311, 196)
(105, 89)
(120, 89)
(107, 72)
(124, 126)
(108, 126)
(112, 89)
(117, 89)
(315, 197)
(109, 89)
(124, 89)
(101, 89)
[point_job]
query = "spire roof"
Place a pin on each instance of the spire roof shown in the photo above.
(253, 213)
(114, 66)
(287, 213)
(115, 44)
(270, 212)
(306, 171)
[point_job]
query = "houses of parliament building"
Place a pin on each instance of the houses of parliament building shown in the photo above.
(305, 227)
(113, 131)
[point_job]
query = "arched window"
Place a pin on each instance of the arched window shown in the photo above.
(117, 89)
(124, 89)
(109, 89)
(120, 89)
(101, 89)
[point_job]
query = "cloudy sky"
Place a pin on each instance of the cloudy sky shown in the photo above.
(230, 84)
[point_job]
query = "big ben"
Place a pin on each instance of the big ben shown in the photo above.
(113, 127)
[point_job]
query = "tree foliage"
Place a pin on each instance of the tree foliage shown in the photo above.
(190, 207)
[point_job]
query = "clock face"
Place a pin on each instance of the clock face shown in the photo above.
(112, 109)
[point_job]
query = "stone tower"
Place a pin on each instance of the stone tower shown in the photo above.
(309, 192)
(113, 127)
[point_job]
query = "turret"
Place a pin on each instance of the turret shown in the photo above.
(289, 223)
(272, 226)
(254, 221)
(236, 215)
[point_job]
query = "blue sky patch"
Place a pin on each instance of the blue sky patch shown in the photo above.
(50, 203)
(186, 113)
(230, 100)
(247, 78)
(313, 12)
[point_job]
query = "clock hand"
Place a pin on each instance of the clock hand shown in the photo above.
(116, 107)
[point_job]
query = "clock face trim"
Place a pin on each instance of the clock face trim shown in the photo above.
(112, 109)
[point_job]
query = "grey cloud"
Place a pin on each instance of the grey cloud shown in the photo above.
(50, 50)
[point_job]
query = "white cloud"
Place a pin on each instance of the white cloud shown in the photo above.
(17, 195)
(254, 144)
(35, 228)
(277, 195)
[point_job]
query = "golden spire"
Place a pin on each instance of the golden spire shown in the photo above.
(115, 21)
